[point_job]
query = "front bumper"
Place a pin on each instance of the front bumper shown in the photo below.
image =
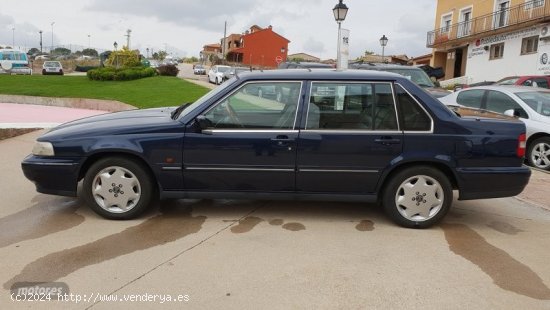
(491, 182)
(54, 176)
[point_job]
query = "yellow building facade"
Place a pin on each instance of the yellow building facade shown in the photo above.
(460, 24)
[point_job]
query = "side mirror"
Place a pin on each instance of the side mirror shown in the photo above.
(204, 123)
(512, 113)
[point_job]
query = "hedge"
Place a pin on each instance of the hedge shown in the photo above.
(112, 74)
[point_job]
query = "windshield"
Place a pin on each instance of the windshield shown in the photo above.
(509, 81)
(417, 76)
(537, 100)
(207, 97)
(223, 69)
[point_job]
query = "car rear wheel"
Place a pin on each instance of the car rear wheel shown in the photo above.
(418, 197)
(118, 188)
(538, 154)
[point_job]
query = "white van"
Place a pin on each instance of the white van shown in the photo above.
(14, 62)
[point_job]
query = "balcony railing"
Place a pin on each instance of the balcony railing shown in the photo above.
(524, 13)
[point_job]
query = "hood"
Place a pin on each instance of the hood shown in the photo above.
(126, 122)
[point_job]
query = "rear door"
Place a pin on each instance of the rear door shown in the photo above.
(350, 135)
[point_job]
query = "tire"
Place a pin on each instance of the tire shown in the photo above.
(44, 72)
(404, 196)
(538, 153)
(118, 188)
(218, 81)
(61, 72)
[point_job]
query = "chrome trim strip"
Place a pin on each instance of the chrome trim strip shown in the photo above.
(395, 106)
(351, 131)
(171, 168)
(210, 131)
(422, 107)
(237, 169)
(338, 170)
(51, 164)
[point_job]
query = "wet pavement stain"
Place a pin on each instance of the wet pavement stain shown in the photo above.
(169, 226)
(294, 226)
(365, 225)
(276, 222)
(245, 225)
(506, 272)
(47, 216)
(504, 228)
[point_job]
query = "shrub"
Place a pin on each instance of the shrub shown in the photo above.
(169, 70)
(123, 58)
(112, 74)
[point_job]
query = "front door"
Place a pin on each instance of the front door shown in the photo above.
(250, 142)
(351, 135)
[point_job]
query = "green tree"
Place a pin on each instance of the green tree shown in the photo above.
(369, 53)
(61, 51)
(161, 55)
(33, 51)
(90, 52)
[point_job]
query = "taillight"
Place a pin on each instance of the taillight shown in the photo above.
(522, 142)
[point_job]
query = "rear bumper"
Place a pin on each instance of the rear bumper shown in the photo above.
(54, 176)
(491, 182)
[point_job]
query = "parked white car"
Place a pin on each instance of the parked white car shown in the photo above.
(531, 105)
(215, 74)
(52, 67)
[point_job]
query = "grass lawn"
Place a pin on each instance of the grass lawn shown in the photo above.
(151, 92)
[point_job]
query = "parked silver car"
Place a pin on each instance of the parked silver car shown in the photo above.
(531, 105)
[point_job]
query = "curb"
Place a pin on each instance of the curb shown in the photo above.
(79, 103)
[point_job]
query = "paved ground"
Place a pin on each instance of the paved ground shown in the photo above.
(186, 72)
(37, 116)
(490, 254)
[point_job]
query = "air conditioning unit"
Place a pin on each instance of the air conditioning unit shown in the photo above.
(545, 33)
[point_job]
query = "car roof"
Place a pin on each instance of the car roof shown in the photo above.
(320, 74)
(508, 88)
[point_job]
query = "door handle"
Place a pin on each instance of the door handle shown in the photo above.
(387, 141)
(282, 138)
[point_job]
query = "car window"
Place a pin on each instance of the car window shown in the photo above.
(540, 82)
(507, 81)
(539, 101)
(500, 102)
(351, 106)
(470, 98)
(266, 105)
(413, 117)
(418, 76)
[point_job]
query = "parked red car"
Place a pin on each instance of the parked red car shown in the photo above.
(541, 81)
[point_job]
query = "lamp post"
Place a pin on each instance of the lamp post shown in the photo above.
(147, 49)
(51, 49)
(13, 37)
(40, 41)
(89, 45)
(383, 43)
(340, 11)
(116, 54)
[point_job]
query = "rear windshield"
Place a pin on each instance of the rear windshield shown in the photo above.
(51, 64)
(510, 81)
(418, 76)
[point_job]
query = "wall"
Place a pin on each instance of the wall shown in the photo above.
(480, 68)
(480, 7)
(263, 47)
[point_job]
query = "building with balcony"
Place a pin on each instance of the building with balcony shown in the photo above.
(485, 40)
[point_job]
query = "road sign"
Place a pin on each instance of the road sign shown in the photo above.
(278, 59)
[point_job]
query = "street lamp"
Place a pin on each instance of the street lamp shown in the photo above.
(116, 54)
(40, 41)
(383, 43)
(340, 11)
(13, 37)
(147, 49)
(89, 45)
(51, 49)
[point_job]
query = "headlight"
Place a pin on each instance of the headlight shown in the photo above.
(43, 149)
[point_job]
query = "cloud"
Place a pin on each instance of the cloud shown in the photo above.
(313, 47)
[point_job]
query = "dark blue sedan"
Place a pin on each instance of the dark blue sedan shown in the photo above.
(325, 135)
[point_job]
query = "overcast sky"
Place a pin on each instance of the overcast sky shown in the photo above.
(184, 26)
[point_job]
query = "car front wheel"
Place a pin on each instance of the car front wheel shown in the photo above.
(118, 188)
(538, 154)
(418, 197)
